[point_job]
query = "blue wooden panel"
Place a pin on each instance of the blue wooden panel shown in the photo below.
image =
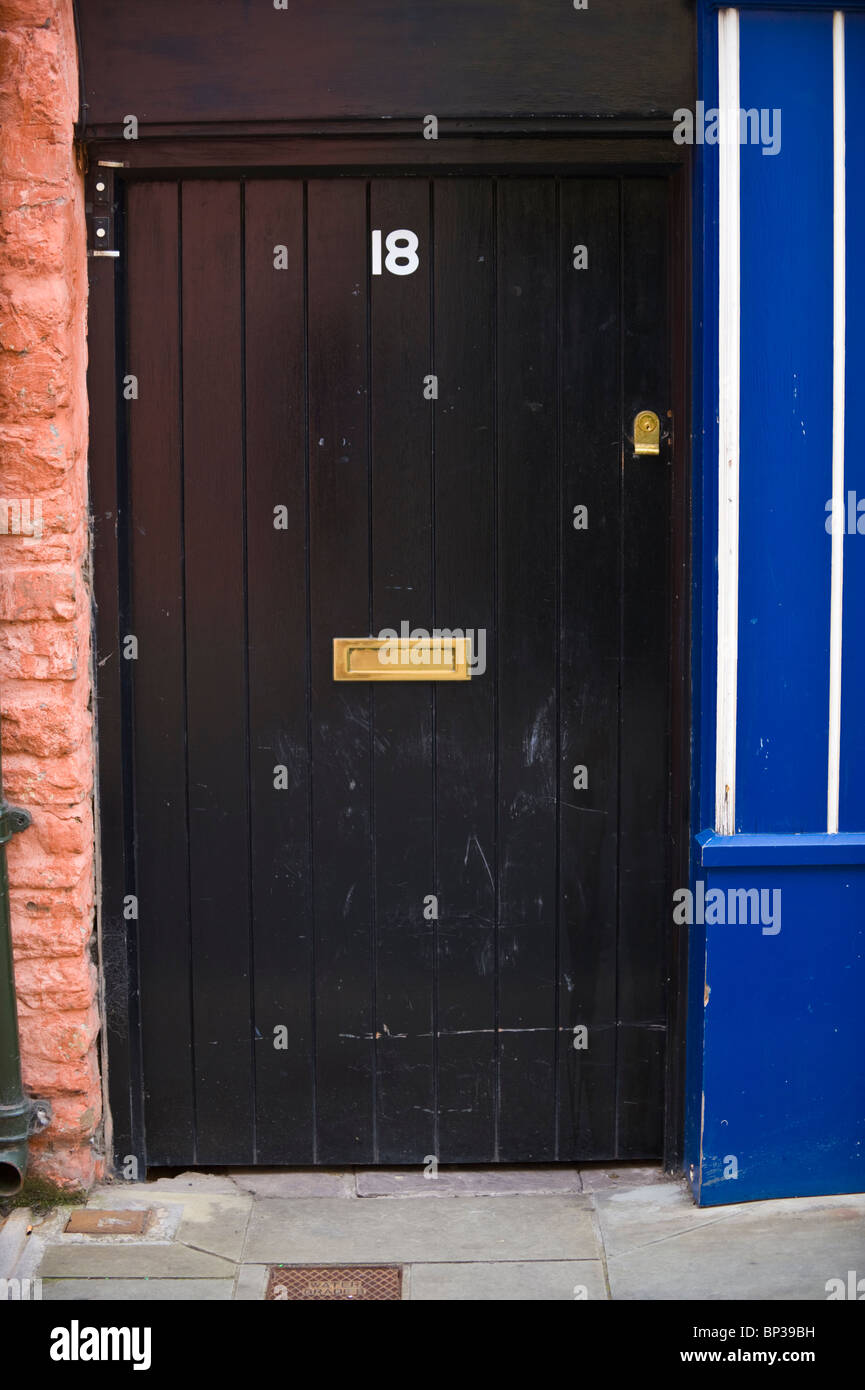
(784, 1040)
(786, 427)
(852, 801)
(726, 851)
(705, 547)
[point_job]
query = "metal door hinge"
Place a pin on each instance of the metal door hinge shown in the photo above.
(99, 212)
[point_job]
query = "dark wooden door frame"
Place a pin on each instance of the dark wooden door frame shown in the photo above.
(505, 148)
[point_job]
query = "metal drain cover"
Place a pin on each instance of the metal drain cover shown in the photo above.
(91, 1222)
(334, 1283)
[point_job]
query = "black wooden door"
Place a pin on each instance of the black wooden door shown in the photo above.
(378, 922)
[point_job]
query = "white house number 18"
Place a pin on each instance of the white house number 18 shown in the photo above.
(401, 258)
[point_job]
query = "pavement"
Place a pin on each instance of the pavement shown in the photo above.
(624, 1232)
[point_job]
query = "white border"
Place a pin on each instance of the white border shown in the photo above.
(729, 310)
(839, 332)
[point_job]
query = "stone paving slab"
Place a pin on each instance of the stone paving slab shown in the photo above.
(251, 1283)
(488, 1182)
(14, 1232)
(615, 1177)
(549, 1280)
(137, 1290)
(754, 1251)
(294, 1182)
(643, 1215)
(155, 1194)
(209, 1220)
(132, 1262)
(332, 1231)
(183, 1183)
(216, 1224)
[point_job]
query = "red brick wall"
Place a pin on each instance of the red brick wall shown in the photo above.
(45, 677)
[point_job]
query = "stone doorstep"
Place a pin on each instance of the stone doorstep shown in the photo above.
(319, 1182)
(467, 1230)
(489, 1181)
(455, 1182)
(615, 1177)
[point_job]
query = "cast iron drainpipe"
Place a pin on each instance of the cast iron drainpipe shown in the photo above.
(20, 1115)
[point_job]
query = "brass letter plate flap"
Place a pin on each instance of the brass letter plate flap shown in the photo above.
(401, 658)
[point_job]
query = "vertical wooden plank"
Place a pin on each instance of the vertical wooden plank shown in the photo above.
(401, 421)
(589, 665)
(527, 616)
(276, 524)
(678, 941)
(216, 670)
(644, 752)
(464, 302)
(157, 616)
(119, 945)
(340, 600)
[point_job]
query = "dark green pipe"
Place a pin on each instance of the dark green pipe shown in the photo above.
(16, 1109)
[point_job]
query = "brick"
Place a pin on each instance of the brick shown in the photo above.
(26, 594)
(65, 830)
(38, 457)
(34, 380)
(65, 780)
(54, 934)
(35, 306)
(65, 983)
(74, 1166)
(77, 1077)
(28, 13)
(33, 88)
(38, 651)
(39, 156)
(31, 867)
(56, 547)
(45, 718)
(76, 1117)
(58, 1036)
(39, 905)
